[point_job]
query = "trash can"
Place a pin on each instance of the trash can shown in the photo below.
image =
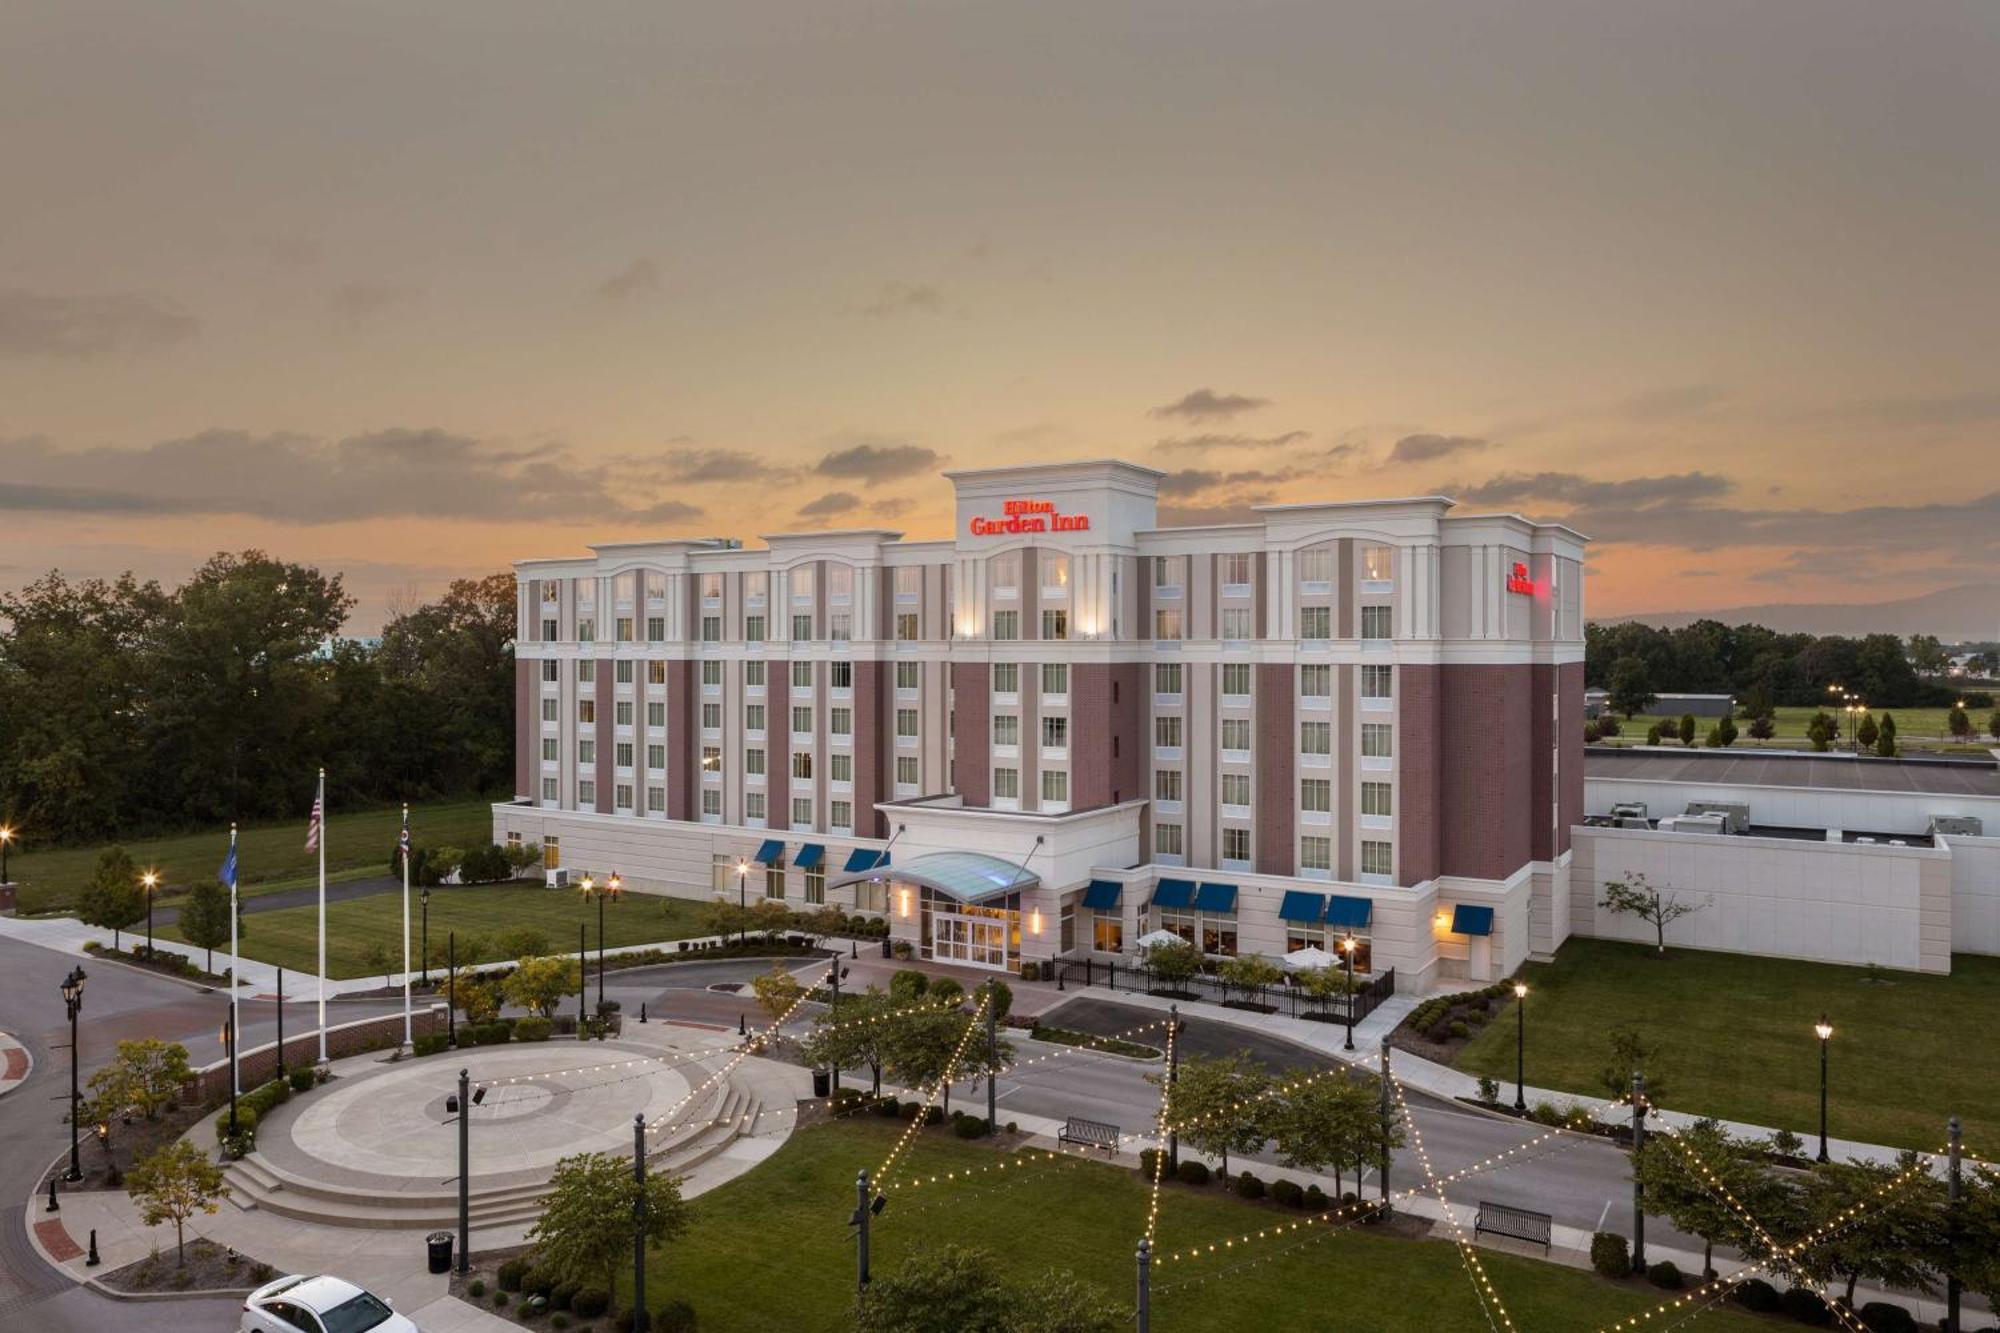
(822, 1082)
(886, 951)
(439, 1244)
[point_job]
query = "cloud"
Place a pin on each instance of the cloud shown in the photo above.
(1681, 400)
(1570, 488)
(289, 478)
(363, 300)
(1954, 409)
(35, 324)
(1201, 444)
(873, 464)
(830, 504)
(1425, 448)
(903, 298)
(893, 507)
(641, 277)
(705, 465)
(1035, 432)
(1193, 481)
(1208, 405)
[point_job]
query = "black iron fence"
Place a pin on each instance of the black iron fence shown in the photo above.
(1292, 999)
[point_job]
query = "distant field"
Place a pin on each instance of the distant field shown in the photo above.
(1926, 728)
(269, 856)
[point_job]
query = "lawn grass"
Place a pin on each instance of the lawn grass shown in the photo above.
(1736, 1039)
(1925, 728)
(269, 857)
(479, 913)
(771, 1249)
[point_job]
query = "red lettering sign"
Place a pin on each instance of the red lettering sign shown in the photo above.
(1518, 580)
(1025, 516)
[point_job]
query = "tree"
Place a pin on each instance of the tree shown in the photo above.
(851, 1034)
(1215, 1103)
(1893, 1236)
(1060, 1302)
(1959, 724)
(1323, 983)
(1632, 1054)
(1173, 964)
(1250, 973)
(112, 900)
(949, 1289)
(1868, 732)
(1695, 1202)
(522, 942)
(1885, 743)
(1819, 734)
(585, 1231)
(1687, 729)
(1976, 1255)
(1631, 688)
(377, 958)
(174, 1184)
(146, 1076)
(1653, 734)
(723, 918)
(479, 1001)
(1634, 896)
(777, 991)
(1762, 728)
(205, 919)
(1927, 654)
(540, 983)
(999, 994)
(1331, 1124)
(919, 1047)
(1993, 725)
(770, 917)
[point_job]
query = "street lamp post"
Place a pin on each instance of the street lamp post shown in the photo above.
(1824, 1031)
(6, 842)
(609, 889)
(424, 944)
(742, 903)
(72, 993)
(1520, 1046)
(150, 881)
(1347, 948)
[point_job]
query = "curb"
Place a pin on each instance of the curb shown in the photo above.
(144, 1297)
(8, 1044)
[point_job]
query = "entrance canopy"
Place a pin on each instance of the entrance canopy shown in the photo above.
(970, 877)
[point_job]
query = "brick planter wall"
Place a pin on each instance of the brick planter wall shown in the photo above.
(260, 1065)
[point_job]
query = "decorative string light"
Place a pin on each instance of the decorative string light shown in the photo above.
(944, 1081)
(747, 1049)
(1482, 1286)
(1161, 1121)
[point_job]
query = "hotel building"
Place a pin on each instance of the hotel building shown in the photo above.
(1068, 727)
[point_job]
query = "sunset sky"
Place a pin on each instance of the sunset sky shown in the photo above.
(412, 290)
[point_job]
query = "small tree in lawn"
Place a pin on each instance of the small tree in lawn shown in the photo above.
(585, 1230)
(146, 1076)
(1633, 896)
(1060, 1302)
(724, 919)
(1250, 973)
(1887, 1237)
(1959, 723)
(112, 900)
(174, 1184)
(1631, 686)
(1820, 733)
(777, 991)
(540, 984)
(1654, 734)
(204, 919)
(949, 1289)
(377, 958)
(1216, 1103)
(1688, 1194)
(1331, 1124)
(1885, 742)
(1762, 728)
(919, 1047)
(1868, 731)
(1975, 1257)
(1993, 725)
(825, 923)
(770, 917)
(1632, 1054)
(1172, 965)
(1687, 729)
(851, 1034)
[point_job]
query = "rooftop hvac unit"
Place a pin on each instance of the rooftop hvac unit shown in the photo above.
(1634, 821)
(1634, 808)
(1735, 814)
(558, 879)
(1714, 824)
(1965, 826)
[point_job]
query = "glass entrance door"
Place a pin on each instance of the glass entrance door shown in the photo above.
(977, 941)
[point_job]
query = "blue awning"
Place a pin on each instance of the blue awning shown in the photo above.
(1174, 893)
(772, 850)
(861, 858)
(1471, 920)
(810, 856)
(1215, 898)
(1102, 895)
(1349, 913)
(1302, 908)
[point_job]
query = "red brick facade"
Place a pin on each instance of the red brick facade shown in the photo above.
(1419, 796)
(1107, 741)
(605, 693)
(1277, 776)
(873, 683)
(972, 731)
(1485, 754)
(527, 733)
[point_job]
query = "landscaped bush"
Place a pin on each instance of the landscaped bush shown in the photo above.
(476, 1287)
(1288, 1192)
(591, 1301)
(1032, 971)
(538, 1282)
(493, 1034)
(558, 1321)
(1804, 1304)
(1459, 1028)
(1610, 1255)
(246, 1122)
(510, 1274)
(1887, 1317)
(301, 1079)
(1249, 1186)
(1149, 1161)
(1757, 1295)
(562, 1295)
(887, 1108)
(533, 1029)
(1316, 1200)
(945, 992)
(1192, 1172)
(908, 985)
(674, 1317)
(1548, 1113)
(1665, 1274)
(910, 1110)
(499, 1299)
(431, 1043)
(934, 1116)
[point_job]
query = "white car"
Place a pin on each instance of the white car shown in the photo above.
(302, 1304)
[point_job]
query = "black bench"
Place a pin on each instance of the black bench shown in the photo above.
(1089, 1133)
(1518, 1223)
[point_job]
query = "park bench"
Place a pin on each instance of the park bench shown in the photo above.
(1089, 1133)
(1518, 1223)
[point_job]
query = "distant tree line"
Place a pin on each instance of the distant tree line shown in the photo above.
(1766, 669)
(126, 708)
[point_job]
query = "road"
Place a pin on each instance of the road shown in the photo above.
(338, 892)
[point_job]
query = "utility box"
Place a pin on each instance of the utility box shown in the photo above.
(1712, 824)
(1965, 826)
(1735, 814)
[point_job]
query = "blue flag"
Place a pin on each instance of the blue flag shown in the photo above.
(228, 872)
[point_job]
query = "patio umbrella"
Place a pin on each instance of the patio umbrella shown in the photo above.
(1158, 937)
(1309, 959)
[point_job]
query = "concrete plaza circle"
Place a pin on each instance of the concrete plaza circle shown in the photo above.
(544, 1101)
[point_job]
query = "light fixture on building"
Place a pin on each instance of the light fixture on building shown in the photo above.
(1035, 921)
(1442, 920)
(903, 902)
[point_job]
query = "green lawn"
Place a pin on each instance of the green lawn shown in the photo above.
(1736, 1040)
(1924, 728)
(269, 857)
(771, 1249)
(479, 913)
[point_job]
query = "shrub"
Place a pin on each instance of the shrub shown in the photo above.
(1316, 1200)
(538, 1282)
(1249, 1186)
(934, 1115)
(971, 1127)
(945, 991)
(494, 1034)
(533, 1029)
(1804, 1304)
(563, 1295)
(1489, 1091)
(1032, 971)
(510, 1274)
(1288, 1192)
(1887, 1317)
(302, 1079)
(901, 949)
(887, 1108)
(1548, 1113)
(558, 1321)
(1610, 1255)
(910, 1110)
(1149, 1161)
(499, 1299)
(1757, 1295)
(908, 985)
(1192, 1172)
(1459, 1028)
(429, 1044)
(476, 1287)
(246, 1121)
(1665, 1274)
(590, 1302)
(674, 1317)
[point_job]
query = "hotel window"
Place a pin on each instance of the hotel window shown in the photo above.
(1236, 844)
(711, 802)
(909, 582)
(1184, 924)
(711, 586)
(1316, 565)
(711, 717)
(802, 765)
(622, 671)
(1055, 571)
(1236, 678)
(551, 593)
(1377, 858)
(840, 767)
(1376, 740)
(906, 770)
(621, 754)
(840, 582)
(774, 871)
(586, 711)
(656, 757)
(551, 710)
(800, 581)
(753, 762)
(802, 719)
(816, 877)
(1055, 786)
(551, 671)
(1167, 839)
(906, 724)
(621, 629)
(1167, 731)
(1299, 935)
(1315, 738)
(1006, 677)
(1236, 733)
(1316, 622)
(1006, 625)
(711, 675)
(1218, 929)
(1107, 934)
(802, 675)
(1055, 733)
(621, 712)
(656, 585)
(753, 675)
(549, 789)
(656, 629)
(840, 675)
(1316, 796)
(1007, 784)
(1166, 784)
(548, 631)
(551, 749)
(711, 629)
(1167, 571)
(1167, 678)
(753, 629)
(1166, 622)
(586, 629)
(908, 674)
(1315, 853)
(1374, 622)
(1236, 569)
(840, 721)
(840, 626)
(1378, 563)
(906, 626)
(656, 800)
(622, 586)
(586, 792)
(711, 761)
(586, 670)
(656, 673)
(1236, 789)
(1375, 798)
(802, 627)
(756, 586)
(1007, 573)
(1055, 679)
(656, 714)
(1236, 622)
(753, 805)
(1377, 681)
(1006, 729)
(1055, 623)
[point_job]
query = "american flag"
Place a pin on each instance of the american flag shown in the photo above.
(403, 841)
(312, 828)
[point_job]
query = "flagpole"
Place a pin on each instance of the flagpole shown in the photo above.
(406, 923)
(235, 968)
(322, 916)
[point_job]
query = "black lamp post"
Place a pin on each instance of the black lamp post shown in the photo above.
(1520, 1046)
(1824, 1031)
(6, 842)
(1347, 947)
(72, 993)
(609, 889)
(150, 882)
(742, 903)
(424, 946)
